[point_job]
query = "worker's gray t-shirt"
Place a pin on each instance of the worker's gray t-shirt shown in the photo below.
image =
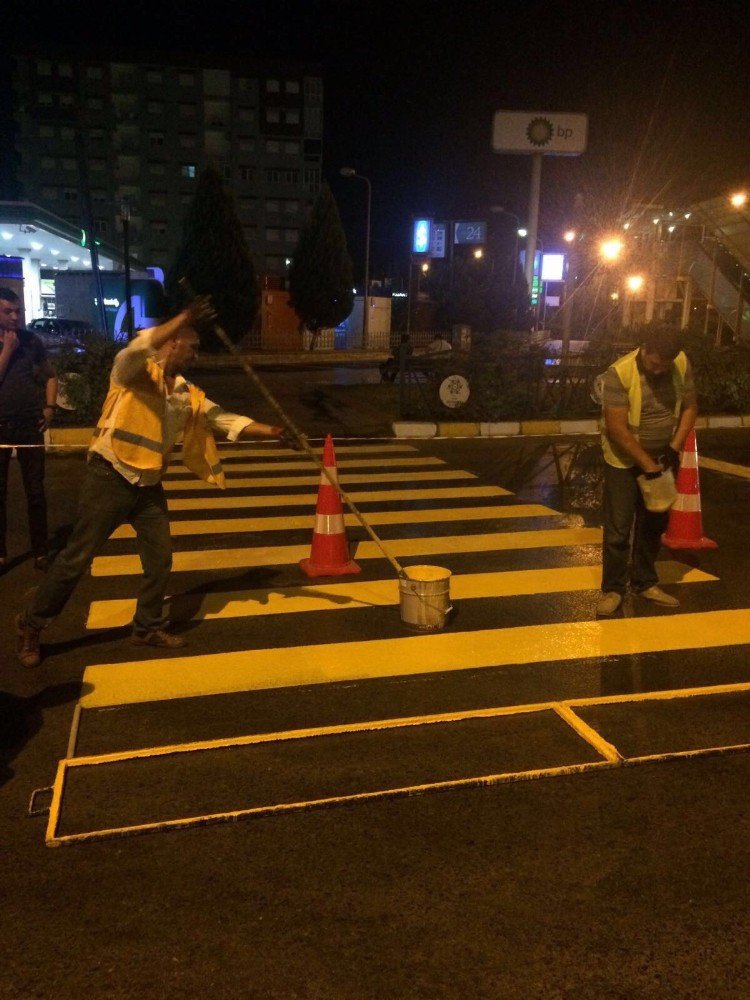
(657, 404)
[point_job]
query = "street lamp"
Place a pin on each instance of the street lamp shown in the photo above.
(739, 199)
(351, 172)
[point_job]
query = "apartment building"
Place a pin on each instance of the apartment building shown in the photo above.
(143, 132)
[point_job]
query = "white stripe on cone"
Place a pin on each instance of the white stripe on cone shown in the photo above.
(687, 502)
(329, 524)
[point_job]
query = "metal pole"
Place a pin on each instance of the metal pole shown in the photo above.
(534, 192)
(125, 216)
(366, 320)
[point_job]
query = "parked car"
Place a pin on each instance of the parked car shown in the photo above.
(58, 333)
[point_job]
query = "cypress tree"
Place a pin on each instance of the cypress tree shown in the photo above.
(215, 259)
(320, 277)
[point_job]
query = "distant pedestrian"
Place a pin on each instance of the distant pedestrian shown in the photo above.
(28, 395)
(148, 406)
(650, 408)
(392, 365)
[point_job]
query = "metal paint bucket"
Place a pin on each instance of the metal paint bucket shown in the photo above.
(425, 597)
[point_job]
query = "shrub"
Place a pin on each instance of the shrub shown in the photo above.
(84, 377)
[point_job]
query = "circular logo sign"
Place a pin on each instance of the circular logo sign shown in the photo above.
(454, 391)
(539, 131)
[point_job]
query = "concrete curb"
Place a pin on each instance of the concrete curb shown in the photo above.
(531, 428)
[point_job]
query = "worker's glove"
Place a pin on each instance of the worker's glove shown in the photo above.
(671, 459)
(286, 438)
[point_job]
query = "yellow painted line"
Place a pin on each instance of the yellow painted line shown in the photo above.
(406, 476)
(273, 451)
(301, 466)
(588, 733)
(483, 781)
(284, 555)
(240, 525)
(369, 496)
(256, 669)
(374, 593)
(729, 467)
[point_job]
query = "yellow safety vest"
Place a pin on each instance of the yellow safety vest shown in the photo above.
(135, 418)
(627, 372)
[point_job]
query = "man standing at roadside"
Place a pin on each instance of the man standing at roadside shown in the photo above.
(649, 409)
(28, 393)
(148, 405)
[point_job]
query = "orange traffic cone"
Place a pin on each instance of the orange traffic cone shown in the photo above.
(685, 528)
(329, 555)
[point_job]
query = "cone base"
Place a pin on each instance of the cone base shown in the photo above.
(311, 569)
(688, 543)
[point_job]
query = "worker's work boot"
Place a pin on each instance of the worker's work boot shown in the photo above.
(609, 603)
(27, 643)
(658, 596)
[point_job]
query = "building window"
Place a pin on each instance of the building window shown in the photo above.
(95, 134)
(246, 85)
(246, 145)
(155, 107)
(94, 103)
(99, 196)
(70, 194)
(246, 173)
(46, 132)
(101, 226)
(273, 235)
(44, 100)
(188, 110)
(94, 73)
(272, 206)
(247, 203)
(272, 86)
(291, 148)
(155, 139)
(68, 134)
(246, 114)
(44, 68)
(156, 168)
(187, 140)
(94, 165)
(313, 89)
(291, 235)
(47, 163)
(159, 227)
(49, 193)
(68, 163)
(65, 70)
(272, 146)
(67, 100)
(291, 86)
(251, 232)
(186, 79)
(158, 197)
(186, 198)
(287, 177)
(291, 207)
(311, 179)
(291, 117)
(273, 116)
(188, 170)
(154, 76)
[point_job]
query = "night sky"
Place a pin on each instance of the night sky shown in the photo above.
(410, 90)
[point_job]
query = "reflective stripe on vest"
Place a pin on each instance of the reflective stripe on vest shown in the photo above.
(627, 372)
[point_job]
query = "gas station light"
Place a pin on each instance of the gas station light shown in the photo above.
(635, 282)
(610, 249)
(739, 199)
(569, 236)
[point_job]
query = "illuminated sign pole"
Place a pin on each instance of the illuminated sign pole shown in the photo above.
(540, 134)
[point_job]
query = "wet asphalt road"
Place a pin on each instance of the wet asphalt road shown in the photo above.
(620, 882)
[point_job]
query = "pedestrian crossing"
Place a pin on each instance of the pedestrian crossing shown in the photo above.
(426, 510)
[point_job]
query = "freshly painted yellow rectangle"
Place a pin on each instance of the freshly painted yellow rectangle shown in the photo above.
(257, 669)
(455, 429)
(299, 499)
(540, 426)
(260, 482)
(284, 555)
(415, 461)
(715, 465)
(240, 525)
(372, 593)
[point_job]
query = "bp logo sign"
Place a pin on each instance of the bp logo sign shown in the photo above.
(539, 131)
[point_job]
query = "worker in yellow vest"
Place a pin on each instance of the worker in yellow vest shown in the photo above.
(149, 405)
(650, 407)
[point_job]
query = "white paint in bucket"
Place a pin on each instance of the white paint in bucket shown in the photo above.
(425, 597)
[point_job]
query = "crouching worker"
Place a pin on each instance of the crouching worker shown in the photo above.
(148, 406)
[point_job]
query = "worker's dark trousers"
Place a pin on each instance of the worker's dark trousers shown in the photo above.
(31, 463)
(632, 534)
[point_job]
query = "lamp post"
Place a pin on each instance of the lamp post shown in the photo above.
(125, 219)
(351, 172)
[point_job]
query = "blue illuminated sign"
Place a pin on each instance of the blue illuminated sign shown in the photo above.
(421, 236)
(470, 232)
